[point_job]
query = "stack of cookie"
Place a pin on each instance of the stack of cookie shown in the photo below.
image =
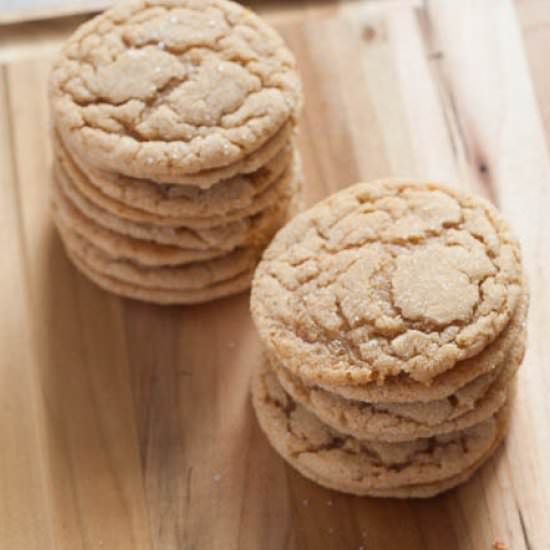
(174, 155)
(393, 319)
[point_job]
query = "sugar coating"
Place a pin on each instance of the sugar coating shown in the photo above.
(403, 389)
(208, 185)
(471, 404)
(169, 204)
(167, 88)
(386, 279)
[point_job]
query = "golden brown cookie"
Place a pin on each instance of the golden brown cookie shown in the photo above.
(347, 464)
(402, 389)
(166, 285)
(226, 234)
(428, 490)
(173, 205)
(189, 276)
(386, 279)
(166, 88)
(160, 296)
(147, 252)
(469, 405)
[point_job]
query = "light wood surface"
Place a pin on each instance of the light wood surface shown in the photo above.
(125, 426)
(18, 11)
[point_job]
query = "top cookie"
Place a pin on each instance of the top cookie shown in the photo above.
(159, 89)
(385, 279)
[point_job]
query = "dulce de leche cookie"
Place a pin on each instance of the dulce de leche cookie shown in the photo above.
(386, 279)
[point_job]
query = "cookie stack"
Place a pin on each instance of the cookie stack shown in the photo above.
(175, 162)
(393, 318)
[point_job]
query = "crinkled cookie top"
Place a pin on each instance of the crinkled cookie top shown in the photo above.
(160, 88)
(386, 279)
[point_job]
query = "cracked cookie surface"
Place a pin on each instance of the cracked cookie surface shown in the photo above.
(364, 467)
(403, 389)
(167, 88)
(469, 405)
(386, 279)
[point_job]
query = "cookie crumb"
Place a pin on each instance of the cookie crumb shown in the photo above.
(369, 33)
(217, 477)
(329, 503)
(305, 502)
(498, 545)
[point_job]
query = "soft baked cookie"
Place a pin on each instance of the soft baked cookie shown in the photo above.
(347, 464)
(402, 389)
(189, 276)
(471, 404)
(386, 279)
(125, 219)
(164, 89)
(164, 285)
(427, 490)
(174, 205)
(160, 296)
(184, 246)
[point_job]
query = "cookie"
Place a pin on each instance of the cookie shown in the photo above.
(428, 490)
(150, 253)
(392, 422)
(347, 464)
(238, 284)
(386, 279)
(232, 193)
(91, 263)
(401, 389)
(192, 233)
(196, 275)
(163, 89)
(172, 205)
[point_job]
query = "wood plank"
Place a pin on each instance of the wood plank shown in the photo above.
(534, 17)
(96, 494)
(35, 39)
(24, 509)
(501, 128)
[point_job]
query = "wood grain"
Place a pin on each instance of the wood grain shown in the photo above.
(127, 426)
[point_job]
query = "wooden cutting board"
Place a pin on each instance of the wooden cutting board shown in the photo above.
(125, 426)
